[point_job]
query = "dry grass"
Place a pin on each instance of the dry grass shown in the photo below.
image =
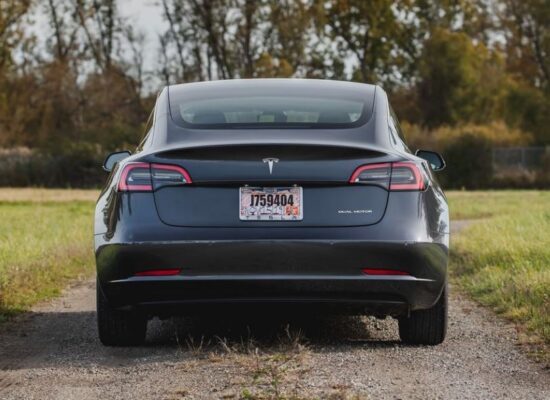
(37, 195)
(275, 370)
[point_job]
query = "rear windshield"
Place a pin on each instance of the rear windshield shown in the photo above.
(269, 107)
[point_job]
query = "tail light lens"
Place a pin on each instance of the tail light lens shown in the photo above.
(145, 177)
(136, 177)
(398, 176)
(381, 271)
(169, 175)
(159, 272)
(373, 174)
(407, 176)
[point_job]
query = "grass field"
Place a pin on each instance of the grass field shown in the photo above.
(502, 259)
(45, 241)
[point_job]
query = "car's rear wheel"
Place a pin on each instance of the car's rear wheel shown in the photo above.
(426, 326)
(118, 328)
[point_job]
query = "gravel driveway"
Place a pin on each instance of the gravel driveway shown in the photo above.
(53, 353)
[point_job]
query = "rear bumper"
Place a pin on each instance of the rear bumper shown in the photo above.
(298, 273)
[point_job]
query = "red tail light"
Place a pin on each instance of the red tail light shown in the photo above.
(373, 174)
(404, 175)
(145, 177)
(158, 272)
(378, 271)
(135, 177)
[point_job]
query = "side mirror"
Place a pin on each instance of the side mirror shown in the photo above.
(114, 158)
(434, 159)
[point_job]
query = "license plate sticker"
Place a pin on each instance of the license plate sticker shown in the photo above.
(271, 204)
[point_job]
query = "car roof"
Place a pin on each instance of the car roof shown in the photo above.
(323, 86)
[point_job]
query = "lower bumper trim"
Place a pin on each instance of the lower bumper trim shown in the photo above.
(287, 306)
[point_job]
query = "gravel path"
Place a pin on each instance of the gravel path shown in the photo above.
(53, 353)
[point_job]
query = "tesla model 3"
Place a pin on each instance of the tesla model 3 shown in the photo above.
(272, 194)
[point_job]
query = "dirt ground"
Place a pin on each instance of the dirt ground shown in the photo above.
(53, 353)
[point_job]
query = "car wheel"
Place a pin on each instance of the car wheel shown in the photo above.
(426, 326)
(118, 328)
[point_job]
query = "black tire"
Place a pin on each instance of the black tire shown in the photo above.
(426, 326)
(118, 328)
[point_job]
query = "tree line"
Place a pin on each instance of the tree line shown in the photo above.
(77, 85)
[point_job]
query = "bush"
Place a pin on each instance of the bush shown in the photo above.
(68, 165)
(469, 163)
(497, 133)
(467, 150)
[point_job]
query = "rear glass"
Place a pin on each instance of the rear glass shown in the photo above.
(269, 107)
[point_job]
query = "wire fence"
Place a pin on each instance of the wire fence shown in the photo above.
(520, 158)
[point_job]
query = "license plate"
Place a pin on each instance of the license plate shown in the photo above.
(271, 204)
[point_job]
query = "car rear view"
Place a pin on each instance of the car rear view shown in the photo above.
(294, 195)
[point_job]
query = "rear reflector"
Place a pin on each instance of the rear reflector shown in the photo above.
(378, 271)
(398, 176)
(145, 177)
(159, 272)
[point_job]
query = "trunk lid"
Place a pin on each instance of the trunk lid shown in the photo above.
(323, 173)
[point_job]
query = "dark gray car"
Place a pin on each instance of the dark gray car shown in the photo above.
(273, 194)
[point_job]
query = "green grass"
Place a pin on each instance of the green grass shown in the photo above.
(503, 258)
(43, 245)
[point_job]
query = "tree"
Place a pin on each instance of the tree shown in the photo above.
(101, 25)
(289, 35)
(227, 39)
(376, 33)
(460, 81)
(527, 27)
(12, 36)
(11, 32)
(198, 35)
(65, 29)
(474, 17)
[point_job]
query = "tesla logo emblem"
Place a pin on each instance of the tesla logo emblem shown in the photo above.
(270, 162)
